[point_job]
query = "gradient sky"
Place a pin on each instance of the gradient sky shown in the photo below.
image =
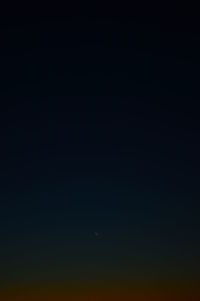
(99, 133)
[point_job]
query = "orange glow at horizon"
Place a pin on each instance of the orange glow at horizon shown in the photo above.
(97, 294)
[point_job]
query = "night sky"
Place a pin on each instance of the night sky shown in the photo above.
(99, 158)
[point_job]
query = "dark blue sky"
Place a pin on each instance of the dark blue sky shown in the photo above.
(99, 133)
